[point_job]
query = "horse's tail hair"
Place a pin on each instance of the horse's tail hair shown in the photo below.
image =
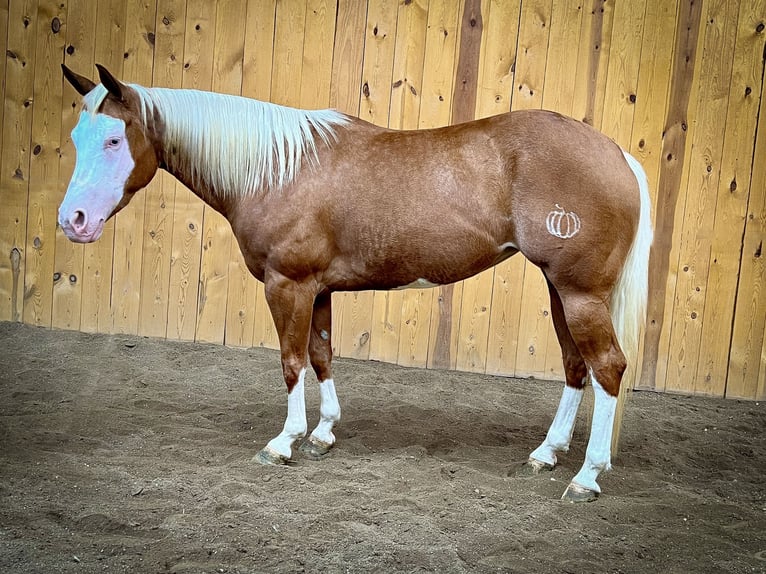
(630, 293)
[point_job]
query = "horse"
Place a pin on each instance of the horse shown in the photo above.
(320, 201)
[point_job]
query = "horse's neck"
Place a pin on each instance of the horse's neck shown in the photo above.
(215, 200)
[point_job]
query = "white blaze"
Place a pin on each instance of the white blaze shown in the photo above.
(104, 164)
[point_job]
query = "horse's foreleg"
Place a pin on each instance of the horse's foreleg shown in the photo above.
(291, 307)
(591, 327)
(321, 439)
(560, 432)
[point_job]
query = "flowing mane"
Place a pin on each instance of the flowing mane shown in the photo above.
(232, 145)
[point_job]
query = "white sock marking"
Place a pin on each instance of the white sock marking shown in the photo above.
(598, 453)
(560, 433)
(295, 425)
(329, 412)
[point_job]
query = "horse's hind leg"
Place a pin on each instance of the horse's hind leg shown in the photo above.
(560, 432)
(320, 353)
(590, 325)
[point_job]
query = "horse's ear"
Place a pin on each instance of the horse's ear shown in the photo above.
(80, 83)
(112, 84)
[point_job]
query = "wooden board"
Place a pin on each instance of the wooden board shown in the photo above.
(494, 93)
(217, 241)
(159, 198)
(69, 257)
(719, 21)
(405, 88)
(745, 374)
(440, 320)
(14, 163)
(679, 84)
(42, 205)
(354, 311)
(732, 196)
(138, 58)
(534, 315)
(186, 244)
(473, 328)
(96, 315)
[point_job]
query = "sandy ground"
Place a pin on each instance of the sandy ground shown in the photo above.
(127, 454)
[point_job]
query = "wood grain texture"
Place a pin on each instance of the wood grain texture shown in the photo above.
(719, 35)
(746, 375)
(129, 223)
(678, 83)
(186, 245)
(96, 315)
(436, 110)
(69, 257)
(669, 184)
(44, 164)
(14, 163)
(154, 303)
(732, 194)
(406, 87)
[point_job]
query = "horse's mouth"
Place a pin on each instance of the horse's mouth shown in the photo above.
(88, 235)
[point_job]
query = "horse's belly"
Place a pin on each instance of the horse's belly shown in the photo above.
(419, 283)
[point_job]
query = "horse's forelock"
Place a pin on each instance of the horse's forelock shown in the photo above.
(92, 100)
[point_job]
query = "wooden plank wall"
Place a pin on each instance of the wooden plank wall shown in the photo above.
(679, 83)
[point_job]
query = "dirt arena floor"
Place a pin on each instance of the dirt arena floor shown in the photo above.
(127, 454)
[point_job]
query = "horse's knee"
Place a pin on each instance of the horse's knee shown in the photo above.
(291, 370)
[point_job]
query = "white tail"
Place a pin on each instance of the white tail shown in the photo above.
(628, 304)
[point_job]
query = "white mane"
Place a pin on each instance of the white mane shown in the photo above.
(233, 145)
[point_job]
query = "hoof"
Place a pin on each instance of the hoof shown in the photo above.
(269, 457)
(533, 467)
(577, 493)
(314, 448)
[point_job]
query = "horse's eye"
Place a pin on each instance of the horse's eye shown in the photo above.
(113, 142)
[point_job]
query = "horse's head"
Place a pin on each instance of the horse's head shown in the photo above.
(115, 156)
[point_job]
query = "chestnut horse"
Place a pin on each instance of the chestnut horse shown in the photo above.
(320, 202)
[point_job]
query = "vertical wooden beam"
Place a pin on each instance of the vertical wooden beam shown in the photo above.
(138, 64)
(732, 194)
(14, 163)
(69, 256)
(159, 197)
(257, 72)
(558, 95)
(472, 324)
(405, 89)
(186, 244)
(673, 154)
(496, 89)
(531, 64)
(98, 260)
(747, 363)
(720, 26)
(355, 310)
(435, 110)
(228, 53)
(42, 207)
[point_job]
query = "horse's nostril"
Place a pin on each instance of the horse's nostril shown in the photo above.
(79, 219)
